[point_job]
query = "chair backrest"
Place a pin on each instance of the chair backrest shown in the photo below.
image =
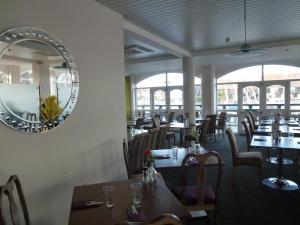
(233, 144)
(136, 149)
(180, 118)
(139, 123)
(156, 122)
(222, 119)
(153, 138)
(251, 125)
(201, 173)
(126, 157)
(252, 117)
(248, 135)
(171, 117)
(165, 219)
(161, 139)
(7, 190)
(204, 133)
(212, 123)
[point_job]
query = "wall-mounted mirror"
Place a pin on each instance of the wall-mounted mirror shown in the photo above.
(38, 80)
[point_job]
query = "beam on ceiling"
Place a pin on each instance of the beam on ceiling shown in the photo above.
(154, 40)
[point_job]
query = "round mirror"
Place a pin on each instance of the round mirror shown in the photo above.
(38, 80)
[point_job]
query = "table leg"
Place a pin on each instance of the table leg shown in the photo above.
(279, 183)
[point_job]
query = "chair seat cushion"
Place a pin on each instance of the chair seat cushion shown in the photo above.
(250, 158)
(191, 194)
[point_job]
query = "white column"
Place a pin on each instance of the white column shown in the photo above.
(14, 71)
(189, 88)
(208, 89)
(45, 89)
(36, 73)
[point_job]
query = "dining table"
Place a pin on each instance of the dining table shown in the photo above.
(156, 200)
(164, 157)
(182, 127)
(281, 145)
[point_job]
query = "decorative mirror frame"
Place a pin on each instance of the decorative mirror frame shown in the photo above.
(20, 34)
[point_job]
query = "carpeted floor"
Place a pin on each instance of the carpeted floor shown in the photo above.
(246, 203)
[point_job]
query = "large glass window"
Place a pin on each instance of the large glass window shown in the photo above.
(176, 99)
(295, 95)
(143, 99)
(251, 97)
(168, 97)
(275, 97)
(159, 99)
(158, 80)
(281, 72)
(253, 73)
(175, 79)
(227, 96)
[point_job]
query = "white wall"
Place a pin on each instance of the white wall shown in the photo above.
(87, 148)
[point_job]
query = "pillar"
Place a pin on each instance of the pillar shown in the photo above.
(15, 71)
(45, 86)
(209, 83)
(189, 88)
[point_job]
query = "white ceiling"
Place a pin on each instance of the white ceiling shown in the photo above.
(204, 24)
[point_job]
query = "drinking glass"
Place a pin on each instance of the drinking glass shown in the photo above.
(136, 192)
(109, 195)
(174, 152)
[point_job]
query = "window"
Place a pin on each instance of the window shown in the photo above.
(281, 72)
(158, 80)
(159, 99)
(164, 92)
(143, 99)
(251, 97)
(253, 73)
(275, 97)
(175, 79)
(176, 99)
(227, 97)
(295, 95)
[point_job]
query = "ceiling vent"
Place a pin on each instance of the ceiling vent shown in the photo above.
(136, 49)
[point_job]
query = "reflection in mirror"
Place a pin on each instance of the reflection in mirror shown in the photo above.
(38, 80)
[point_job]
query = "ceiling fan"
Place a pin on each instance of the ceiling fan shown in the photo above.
(246, 51)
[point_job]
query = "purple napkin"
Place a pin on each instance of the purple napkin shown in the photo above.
(85, 204)
(136, 217)
(192, 161)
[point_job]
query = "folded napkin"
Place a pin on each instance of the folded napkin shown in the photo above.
(136, 216)
(259, 139)
(85, 204)
(161, 156)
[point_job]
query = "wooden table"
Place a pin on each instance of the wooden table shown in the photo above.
(279, 182)
(156, 200)
(176, 163)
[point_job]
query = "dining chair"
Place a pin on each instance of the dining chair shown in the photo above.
(204, 133)
(8, 191)
(155, 122)
(253, 119)
(153, 138)
(126, 158)
(136, 149)
(221, 123)
(252, 158)
(248, 135)
(200, 196)
(139, 123)
(164, 219)
(212, 125)
(162, 135)
(251, 125)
